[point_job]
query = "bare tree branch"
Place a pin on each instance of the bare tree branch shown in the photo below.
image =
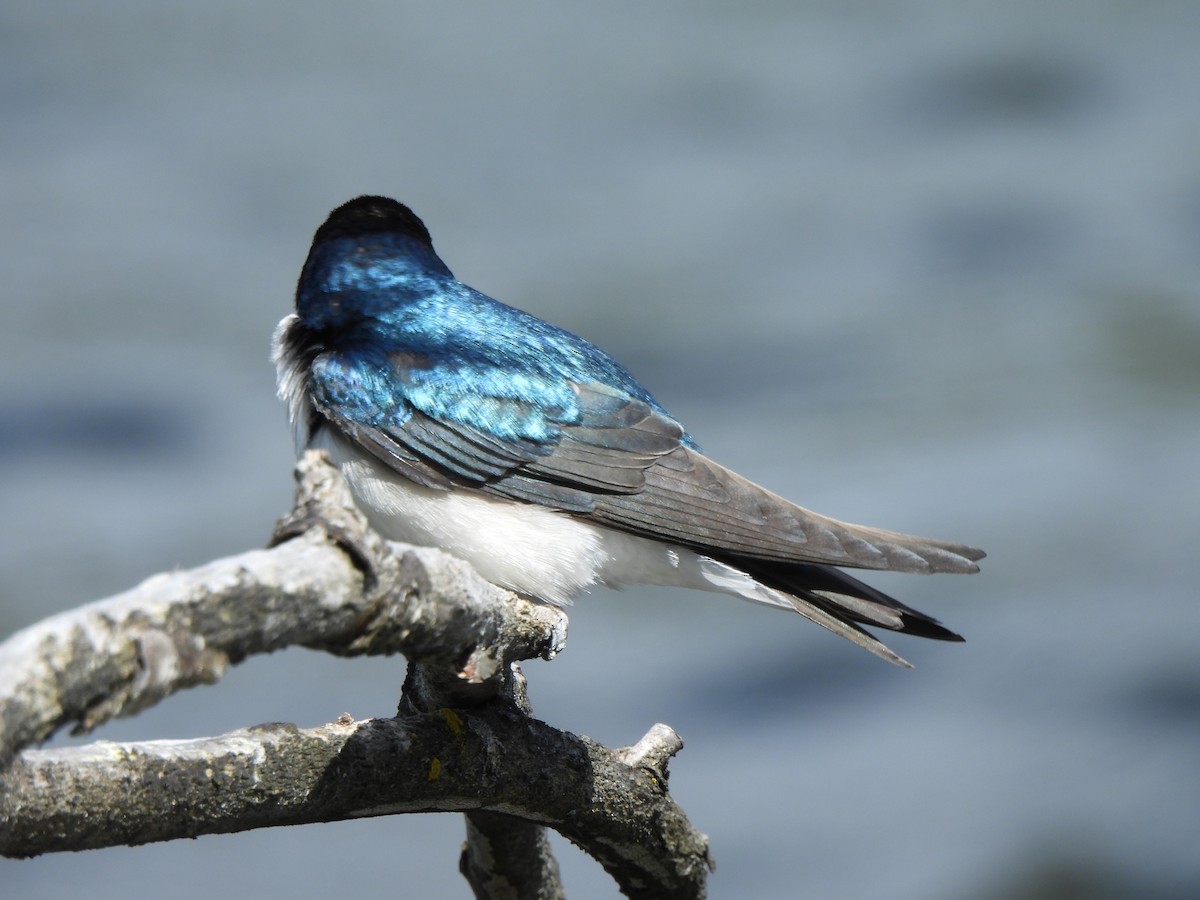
(505, 857)
(115, 657)
(464, 739)
(490, 758)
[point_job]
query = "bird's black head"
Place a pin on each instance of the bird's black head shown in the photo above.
(365, 215)
(370, 257)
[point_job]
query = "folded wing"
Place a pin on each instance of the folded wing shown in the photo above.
(621, 462)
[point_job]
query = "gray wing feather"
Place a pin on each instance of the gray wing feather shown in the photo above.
(692, 500)
(622, 463)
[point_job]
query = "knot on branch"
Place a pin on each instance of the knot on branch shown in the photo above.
(653, 751)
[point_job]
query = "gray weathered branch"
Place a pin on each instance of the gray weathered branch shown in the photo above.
(489, 758)
(464, 740)
(115, 657)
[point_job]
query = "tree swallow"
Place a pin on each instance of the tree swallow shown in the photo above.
(466, 424)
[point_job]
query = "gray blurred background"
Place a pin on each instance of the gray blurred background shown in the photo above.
(932, 266)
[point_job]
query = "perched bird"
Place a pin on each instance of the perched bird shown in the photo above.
(466, 424)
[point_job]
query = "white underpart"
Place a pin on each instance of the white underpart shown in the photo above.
(537, 551)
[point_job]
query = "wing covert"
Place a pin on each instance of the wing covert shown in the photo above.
(548, 442)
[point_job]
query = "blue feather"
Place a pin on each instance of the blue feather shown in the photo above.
(410, 336)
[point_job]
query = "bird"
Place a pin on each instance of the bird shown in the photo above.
(469, 425)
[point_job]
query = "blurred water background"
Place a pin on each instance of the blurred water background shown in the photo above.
(930, 265)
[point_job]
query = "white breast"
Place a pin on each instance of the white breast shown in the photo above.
(519, 546)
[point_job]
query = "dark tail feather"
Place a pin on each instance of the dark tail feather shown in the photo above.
(848, 602)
